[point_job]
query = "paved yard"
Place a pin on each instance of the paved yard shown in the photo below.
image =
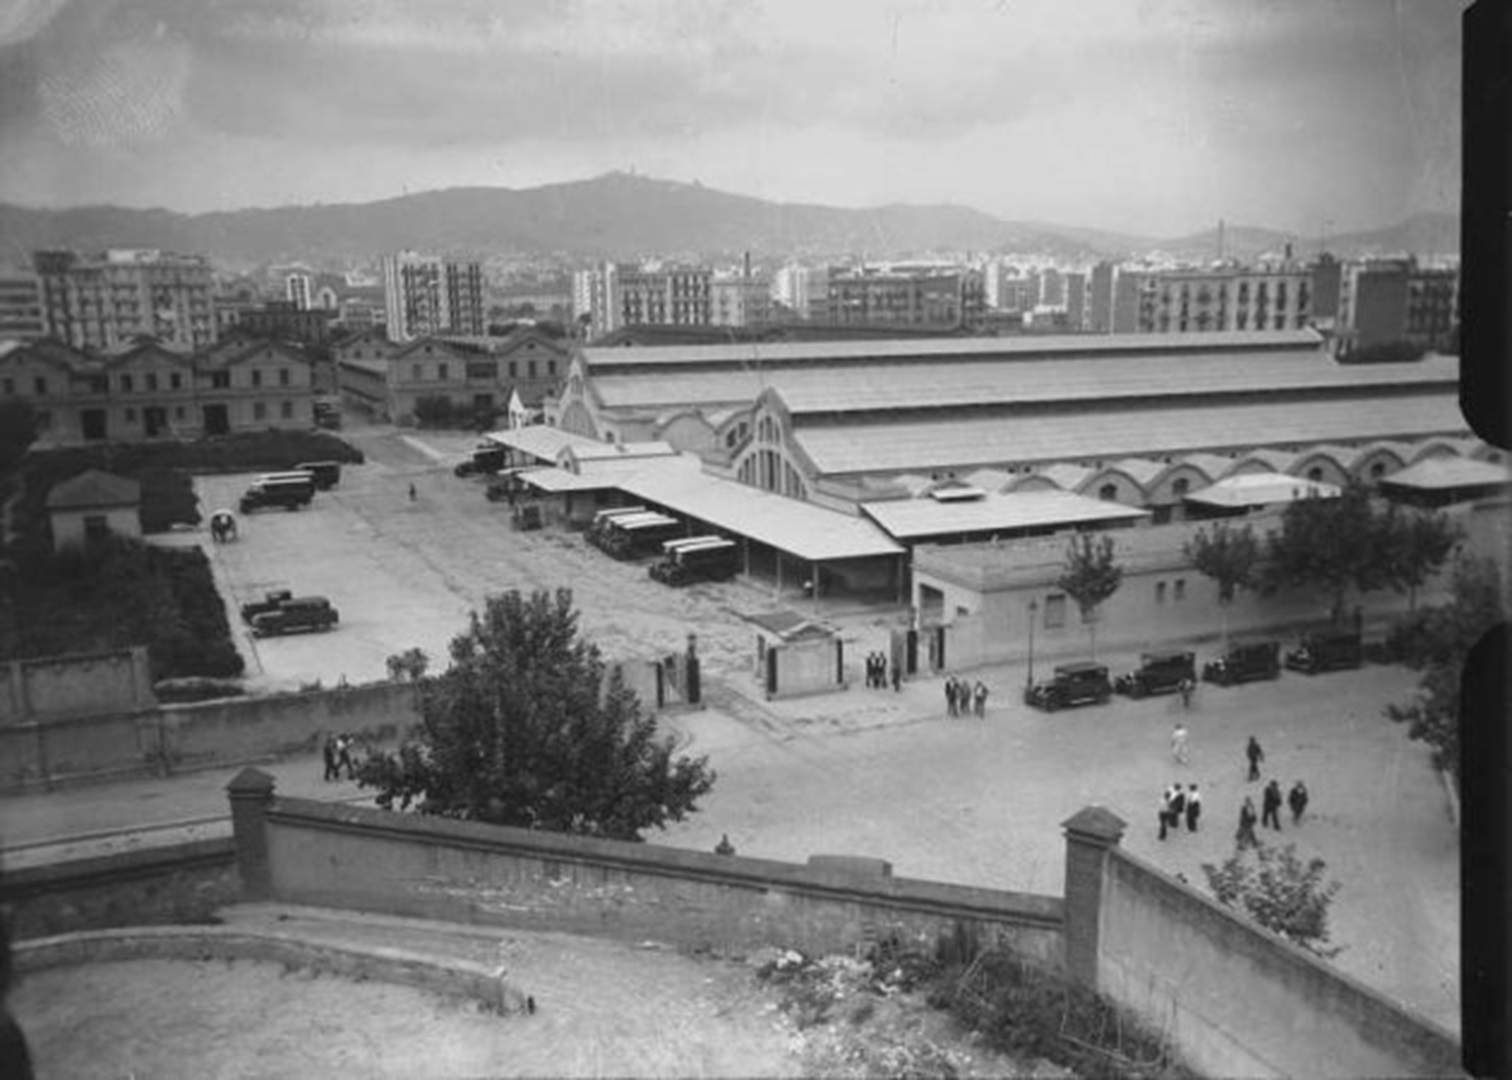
(873, 772)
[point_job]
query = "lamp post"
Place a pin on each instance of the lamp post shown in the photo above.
(1033, 613)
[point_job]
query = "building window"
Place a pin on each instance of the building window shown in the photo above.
(283, 376)
(256, 377)
(1160, 587)
(152, 383)
(1315, 474)
(9, 385)
(131, 416)
(441, 372)
(287, 409)
(220, 380)
(1108, 492)
(1055, 611)
(514, 369)
(1178, 589)
(178, 412)
(1378, 470)
(551, 367)
(126, 384)
(415, 372)
(259, 410)
(1180, 486)
(175, 382)
(530, 369)
(96, 527)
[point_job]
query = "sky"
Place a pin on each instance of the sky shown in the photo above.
(1156, 117)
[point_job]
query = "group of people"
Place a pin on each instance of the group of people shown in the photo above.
(964, 699)
(876, 672)
(1176, 803)
(1270, 801)
(337, 752)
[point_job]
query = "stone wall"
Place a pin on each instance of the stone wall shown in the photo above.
(76, 684)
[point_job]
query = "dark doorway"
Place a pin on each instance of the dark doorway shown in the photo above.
(154, 421)
(93, 422)
(217, 420)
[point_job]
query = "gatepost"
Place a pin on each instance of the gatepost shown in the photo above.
(1090, 834)
(251, 791)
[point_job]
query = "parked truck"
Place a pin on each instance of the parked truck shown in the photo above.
(705, 558)
(635, 535)
(290, 490)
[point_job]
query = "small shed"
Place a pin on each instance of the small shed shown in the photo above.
(795, 655)
(92, 505)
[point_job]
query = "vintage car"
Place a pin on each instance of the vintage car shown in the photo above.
(1327, 650)
(1243, 662)
(1158, 673)
(1078, 683)
(269, 602)
(292, 616)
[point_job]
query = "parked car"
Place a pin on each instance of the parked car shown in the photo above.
(1078, 683)
(271, 601)
(300, 613)
(1158, 673)
(1244, 662)
(1327, 650)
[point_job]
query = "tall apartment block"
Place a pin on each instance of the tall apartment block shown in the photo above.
(426, 294)
(1227, 298)
(614, 296)
(803, 290)
(906, 296)
(741, 300)
(1391, 300)
(20, 307)
(103, 302)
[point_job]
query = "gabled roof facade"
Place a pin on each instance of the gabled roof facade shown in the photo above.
(94, 489)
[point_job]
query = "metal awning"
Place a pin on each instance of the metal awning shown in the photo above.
(919, 519)
(1262, 489)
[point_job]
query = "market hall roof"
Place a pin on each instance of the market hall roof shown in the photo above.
(1445, 474)
(969, 441)
(799, 353)
(1262, 489)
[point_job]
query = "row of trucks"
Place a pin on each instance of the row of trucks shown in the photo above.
(291, 490)
(632, 532)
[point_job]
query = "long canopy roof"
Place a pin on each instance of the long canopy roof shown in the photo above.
(914, 519)
(957, 442)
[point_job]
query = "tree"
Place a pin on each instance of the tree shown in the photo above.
(1345, 543)
(523, 729)
(1090, 577)
(1436, 642)
(1278, 891)
(18, 430)
(409, 665)
(1230, 556)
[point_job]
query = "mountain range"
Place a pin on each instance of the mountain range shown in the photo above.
(622, 215)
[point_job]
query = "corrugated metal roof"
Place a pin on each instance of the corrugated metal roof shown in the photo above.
(904, 348)
(540, 440)
(802, 529)
(970, 441)
(1441, 473)
(1213, 466)
(912, 519)
(1262, 489)
(990, 380)
(1142, 470)
(1067, 477)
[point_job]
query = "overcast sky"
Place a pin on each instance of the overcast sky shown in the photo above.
(1151, 116)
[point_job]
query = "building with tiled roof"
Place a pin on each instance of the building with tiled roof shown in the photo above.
(92, 505)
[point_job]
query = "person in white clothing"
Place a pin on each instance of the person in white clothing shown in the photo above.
(1179, 744)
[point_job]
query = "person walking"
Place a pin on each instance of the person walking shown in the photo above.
(1256, 756)
(412, 493)
(871, 670)
(1297, 799)
(1185, 688)
(1193, 807)
(1165, 812)
(950, 702)
(1270, 810)
(979, 695)
(344, 755)
(328, 752)
(1178, 805)
(897, 677)
(1245, 837)
(1179, 744)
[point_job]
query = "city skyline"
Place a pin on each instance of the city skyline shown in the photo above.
(1157, 117)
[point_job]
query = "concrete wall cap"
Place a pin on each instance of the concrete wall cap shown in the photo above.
(250, 781)
(1097, 823)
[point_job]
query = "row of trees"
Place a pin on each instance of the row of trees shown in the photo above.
(1335, 545)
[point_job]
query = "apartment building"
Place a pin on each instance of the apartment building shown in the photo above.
(1392, 300)
(906, 296)
(740, 301)
(427, 294)
(614, 296)
(802, 290)
(104, 302)
(144, 390)
(1222, 298)
(21, 316)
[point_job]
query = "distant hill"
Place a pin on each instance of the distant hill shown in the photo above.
(613, 216)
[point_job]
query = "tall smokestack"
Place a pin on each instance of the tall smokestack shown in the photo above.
(1220, 239)
(748, 266)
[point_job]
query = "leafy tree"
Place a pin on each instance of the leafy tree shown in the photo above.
(523, 729)
(1280, 892)
(1090, 577)
(1345, 543)
(409, 665)
(1436, 642)
(1228, 555)
(18, 430)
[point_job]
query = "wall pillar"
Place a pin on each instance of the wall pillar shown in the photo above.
(251, 790)
(1090, 834)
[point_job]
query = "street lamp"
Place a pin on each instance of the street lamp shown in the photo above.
(1033, 612)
